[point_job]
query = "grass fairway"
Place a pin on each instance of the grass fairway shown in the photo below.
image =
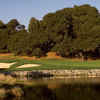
(52, 64)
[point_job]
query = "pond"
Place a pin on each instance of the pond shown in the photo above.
(58, 89)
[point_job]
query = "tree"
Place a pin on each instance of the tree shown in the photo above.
(4, 36)
(39, 42)
(37, 52)
(70, 32)
(12, 24)
(84, 18)
(57, 25)
(2, 25)
(19, 27)
(17, 43)
(87, 43)
(34, 26)
(62, 48)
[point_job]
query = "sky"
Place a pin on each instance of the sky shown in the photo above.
(23, 10)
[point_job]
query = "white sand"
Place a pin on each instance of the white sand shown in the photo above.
(6, 65)
(28, 65)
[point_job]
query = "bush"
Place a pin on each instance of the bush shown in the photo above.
(37, 52)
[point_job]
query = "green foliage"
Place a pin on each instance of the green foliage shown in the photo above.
(37, 52)
(57, 25)
(39, 42)
(2, 25)
(68, 32)
(34, 26)
(17, 42)
(12, 24)
(4, 36)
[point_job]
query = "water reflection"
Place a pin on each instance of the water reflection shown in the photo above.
(72, 89)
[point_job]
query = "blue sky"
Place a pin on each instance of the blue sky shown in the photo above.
(23, 10)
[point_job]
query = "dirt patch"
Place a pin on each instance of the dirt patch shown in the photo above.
(8, 54)
(29, 58)
(53, 55)
(49, 55)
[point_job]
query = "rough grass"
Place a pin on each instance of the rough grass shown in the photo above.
(52, 64)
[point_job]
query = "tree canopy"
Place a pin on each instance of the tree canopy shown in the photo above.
(70, 32)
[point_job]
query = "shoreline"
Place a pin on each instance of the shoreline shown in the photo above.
(54, 73)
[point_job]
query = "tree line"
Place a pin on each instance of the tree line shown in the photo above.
(70, 32)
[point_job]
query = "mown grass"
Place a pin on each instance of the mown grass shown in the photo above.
(52, 64)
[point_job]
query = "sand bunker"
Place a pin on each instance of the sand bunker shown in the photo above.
(28, 65)
(6, 65)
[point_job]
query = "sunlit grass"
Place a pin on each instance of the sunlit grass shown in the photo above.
(53, 64)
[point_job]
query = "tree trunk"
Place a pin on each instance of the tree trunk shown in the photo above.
(76, 56)
(81, 55)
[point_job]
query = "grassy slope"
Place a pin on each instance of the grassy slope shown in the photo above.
(54, 64)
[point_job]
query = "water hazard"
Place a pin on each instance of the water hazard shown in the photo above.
(57, 89)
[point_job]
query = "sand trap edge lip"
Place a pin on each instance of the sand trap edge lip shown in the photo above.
(8, 65)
